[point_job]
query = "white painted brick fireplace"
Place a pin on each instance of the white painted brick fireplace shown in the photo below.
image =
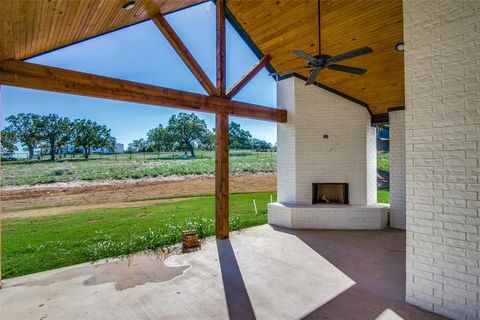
(327, 139)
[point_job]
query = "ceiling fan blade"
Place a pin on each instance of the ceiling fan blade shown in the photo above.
(288, 71)
(313, 76)
(305, 55)
(339, 67)
(351, 54)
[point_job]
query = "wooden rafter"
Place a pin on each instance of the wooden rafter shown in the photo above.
(34, 76)
(184, 54)
(248, 76)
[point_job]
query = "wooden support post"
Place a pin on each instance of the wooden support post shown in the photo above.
(221, 175)
(221, 133)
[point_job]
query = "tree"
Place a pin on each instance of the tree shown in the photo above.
(239, 138)
(160, 139)
(90, 135)
(26, 128)
(55, 131)
(258, 144)
(208, 141)
(138, 145)
(187, 129)
(8, 141)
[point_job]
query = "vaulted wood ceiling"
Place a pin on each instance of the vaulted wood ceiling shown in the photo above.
(276, 27)
(279, 26)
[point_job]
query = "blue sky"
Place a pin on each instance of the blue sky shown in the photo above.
(141, 53)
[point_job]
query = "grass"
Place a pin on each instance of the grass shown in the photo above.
(18, 173)
(37, 244)
(383, 196)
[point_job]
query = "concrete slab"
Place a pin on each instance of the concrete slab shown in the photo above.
(259, 273)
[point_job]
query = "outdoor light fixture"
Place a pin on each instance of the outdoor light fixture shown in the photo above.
(129, 5)
(400, 47)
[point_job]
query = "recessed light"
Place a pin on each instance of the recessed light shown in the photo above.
(400, 47)
(129, 5)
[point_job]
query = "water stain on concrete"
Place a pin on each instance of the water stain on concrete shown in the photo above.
(126, 273)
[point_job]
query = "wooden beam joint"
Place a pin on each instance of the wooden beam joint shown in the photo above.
(34, 76)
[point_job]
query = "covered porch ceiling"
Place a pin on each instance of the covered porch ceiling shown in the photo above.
(274, 27)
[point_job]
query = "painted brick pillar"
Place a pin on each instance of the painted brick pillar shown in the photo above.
(442, 120)
(397, 169)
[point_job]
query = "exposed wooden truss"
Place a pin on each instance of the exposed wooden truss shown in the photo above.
(34, 76)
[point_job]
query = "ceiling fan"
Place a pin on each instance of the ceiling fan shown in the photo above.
(324, 61)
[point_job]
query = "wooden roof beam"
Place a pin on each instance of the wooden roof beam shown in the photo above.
(177, 44)
(248, 76)
(34, 76)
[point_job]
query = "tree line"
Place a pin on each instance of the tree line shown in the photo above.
(53, 133)
(183, 131)
(188, 132)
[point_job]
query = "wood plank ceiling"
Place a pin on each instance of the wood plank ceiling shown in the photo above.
(279, 26)
(29, 28)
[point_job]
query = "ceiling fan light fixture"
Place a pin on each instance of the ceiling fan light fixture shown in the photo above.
(400, 47)
(129, 5)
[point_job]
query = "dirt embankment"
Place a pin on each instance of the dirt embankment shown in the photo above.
(72, 197)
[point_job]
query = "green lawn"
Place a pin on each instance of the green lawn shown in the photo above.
(383, 196)
(123, 167)
(37, 244)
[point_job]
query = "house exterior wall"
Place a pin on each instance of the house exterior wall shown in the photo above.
(442, 119)
(306, 157)
(397, 169)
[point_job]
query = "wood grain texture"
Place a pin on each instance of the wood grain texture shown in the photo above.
(248, 76)
(221, 48)
(221, 175)
(184, 54)
(31, 27)
(34, 76)
(278, 26)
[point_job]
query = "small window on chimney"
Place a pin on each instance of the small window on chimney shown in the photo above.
(325, 136)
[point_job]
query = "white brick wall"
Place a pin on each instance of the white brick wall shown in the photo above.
(305, 157)
(397, 168)
(442, 80)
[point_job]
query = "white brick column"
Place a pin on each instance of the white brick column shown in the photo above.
(397, 168)
(442, 119)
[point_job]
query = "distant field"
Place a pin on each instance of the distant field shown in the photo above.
(135, 166)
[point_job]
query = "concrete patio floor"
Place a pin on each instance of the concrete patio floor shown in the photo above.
(262, 272)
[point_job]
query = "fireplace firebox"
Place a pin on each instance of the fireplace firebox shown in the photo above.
(329, 193)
